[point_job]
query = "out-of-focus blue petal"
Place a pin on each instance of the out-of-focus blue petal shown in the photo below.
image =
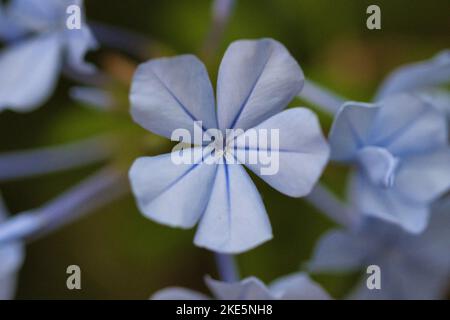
(235, 219)
(439, 99)
(41, 15)
(11, 257)
(350, 129)
(302, 151)
(425, 74)
(298, 286)
(79, 42)
(171, 194)
(94, 97)
(29, 72)
(340, 250)
(406, 124)
(257, 79)
(248, 289)
(388, 204)
(426, 177)
(379, 165)
(9, 30)
(172, 93)
(176, 293)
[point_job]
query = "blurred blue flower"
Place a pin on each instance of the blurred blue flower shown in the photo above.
(257, 79)
(425, 78)
(297, 286)
(400, 149)
(11, 259)
(40, 44)
(418, 76)
(412, 266)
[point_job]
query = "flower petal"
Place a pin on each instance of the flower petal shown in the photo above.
(429, 73)
(298, 286)
(79, 42)
(29, 71)
(340, 251)
(407, 124)
(169, 193)
(404, 279)
(379, 165)
(172, 93)
(388, 204)
(293, 163)
(11, 257)
(176, 293)
(9, 30)
(425, 178)
(41, 16)
(235, 219)
(257, 79)
(350, 129)
(247, 289)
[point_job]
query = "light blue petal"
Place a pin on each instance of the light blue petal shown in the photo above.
(350, 129)
(11, 257)
(301, 155)
(298, 286)
(41, 15)
(439, 99)
(379, 165)
(388, 204)
(404, 279)
(78, 43)
(176, 293)
(257, 79)
(9, 30)
(340, 250)
(407, 124)
(247, 289)
(171, 194)
(172, 93)
(235, 219)
(97, 98)
(413, 77)
(8, 284)
(426, 177)
(25, 80)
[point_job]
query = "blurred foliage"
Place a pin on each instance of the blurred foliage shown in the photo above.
(124, 255)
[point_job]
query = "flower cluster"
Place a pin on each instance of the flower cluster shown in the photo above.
(396, 213)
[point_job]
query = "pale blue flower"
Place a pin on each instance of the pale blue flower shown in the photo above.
(11, 259)
(400, 149)
(412, 266)
(30, 65)
(257, 79)
(297, 286)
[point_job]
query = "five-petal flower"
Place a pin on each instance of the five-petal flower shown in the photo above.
(400, 148)
(257, 79)
(42, 44)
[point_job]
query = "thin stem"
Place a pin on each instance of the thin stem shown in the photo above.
(28, 163)
(325, 201)
(227, 267)
(97, 190)
(323, 98)
(221, 12)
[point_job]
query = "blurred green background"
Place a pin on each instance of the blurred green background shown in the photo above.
(126, 256)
